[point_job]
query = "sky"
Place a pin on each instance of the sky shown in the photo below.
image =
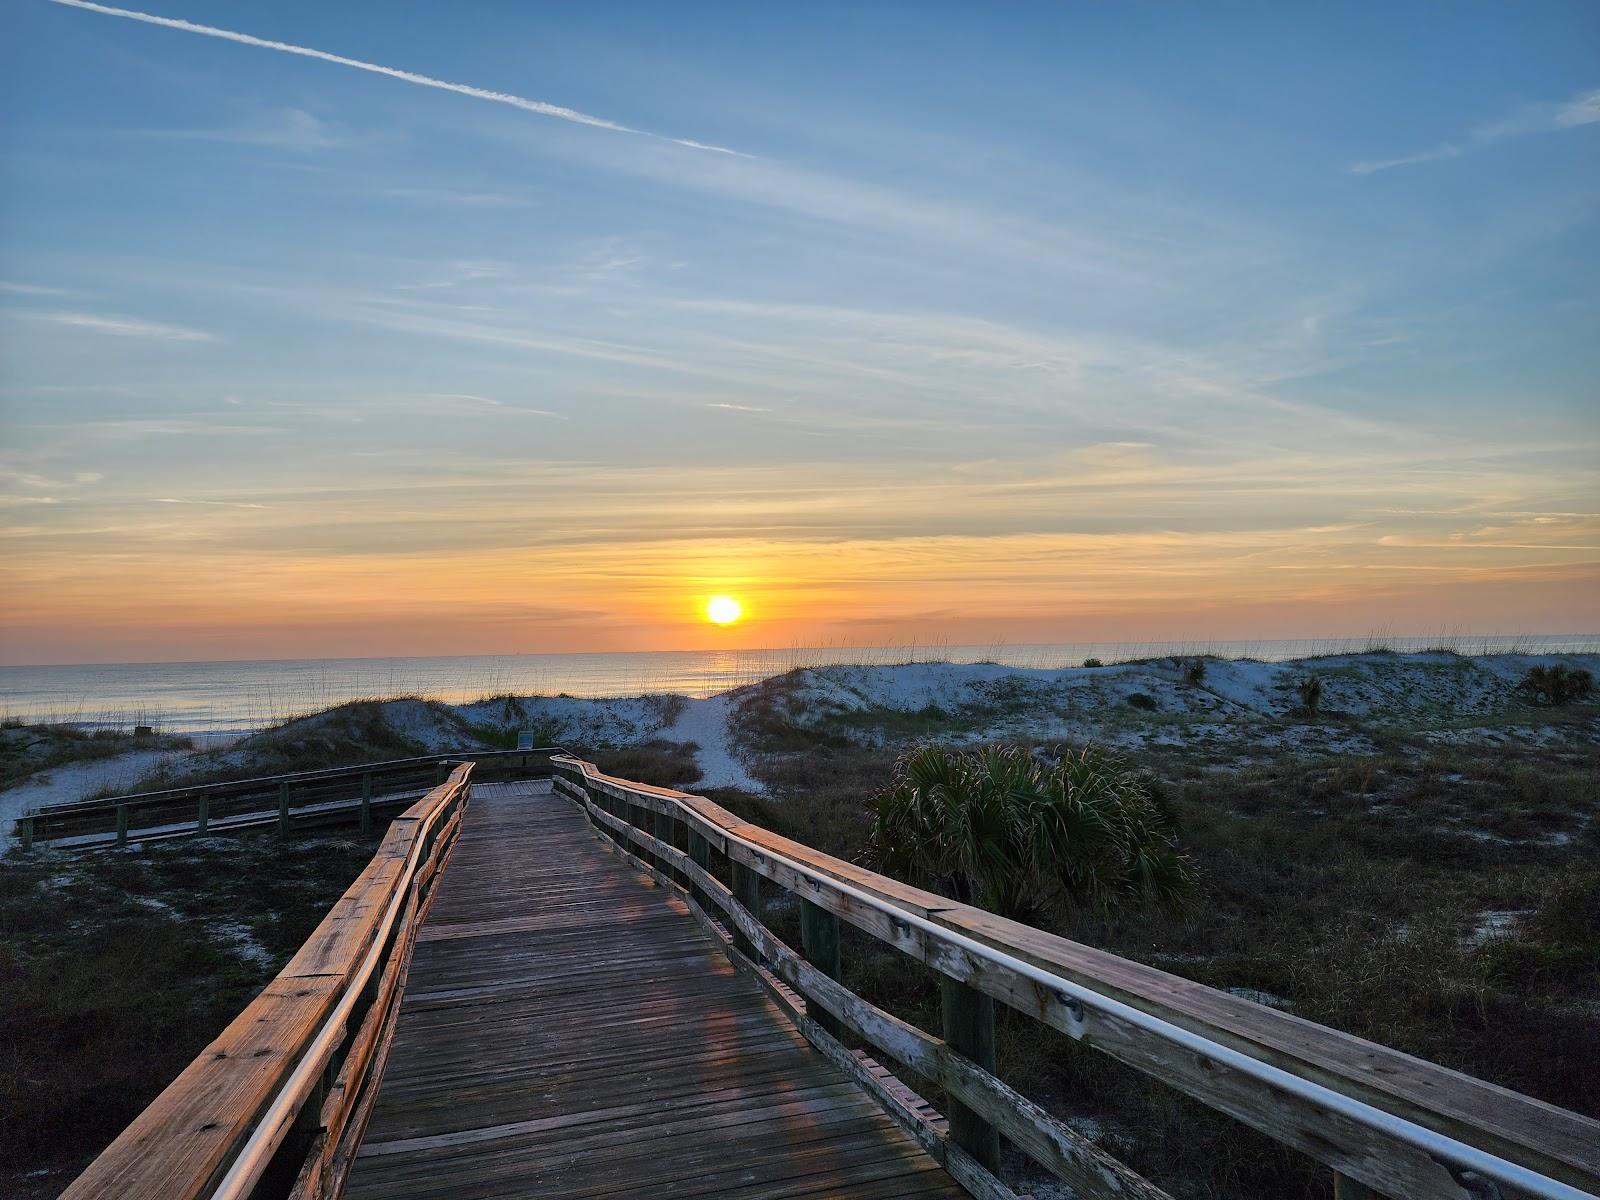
(371, 329)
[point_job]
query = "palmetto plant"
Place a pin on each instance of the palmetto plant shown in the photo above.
(1003, 830)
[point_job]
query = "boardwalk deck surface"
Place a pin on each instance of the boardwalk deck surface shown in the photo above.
(569, 1030)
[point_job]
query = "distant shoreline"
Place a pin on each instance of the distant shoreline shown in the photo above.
(219, 699)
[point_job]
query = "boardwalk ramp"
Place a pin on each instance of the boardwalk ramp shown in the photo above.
(569, 1031)
(575, 986)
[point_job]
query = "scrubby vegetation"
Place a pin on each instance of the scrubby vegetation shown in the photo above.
(29, 749)
(659, 763)
(1434, 897)
(117, 969)
(1012, 832)
(1556, 684)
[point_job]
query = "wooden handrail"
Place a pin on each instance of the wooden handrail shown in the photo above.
(277, 1103)
(264, 782)
(196, 808)
(1394, 1123)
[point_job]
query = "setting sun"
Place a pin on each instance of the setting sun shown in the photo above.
(723, 610)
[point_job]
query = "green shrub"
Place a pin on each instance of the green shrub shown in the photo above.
(1093, 662)
(1556, 685)
(1311, 694)
(1004, 830)
(1196, 673)
(1141, 701)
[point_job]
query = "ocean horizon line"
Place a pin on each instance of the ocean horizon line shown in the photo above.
(1376, 640)
(242, 695)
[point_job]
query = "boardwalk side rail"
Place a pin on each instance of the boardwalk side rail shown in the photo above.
(1386, 1123)
(276, 1105)
(296, 799)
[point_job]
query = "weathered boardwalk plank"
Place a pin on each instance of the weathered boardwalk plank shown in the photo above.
(570, 1031)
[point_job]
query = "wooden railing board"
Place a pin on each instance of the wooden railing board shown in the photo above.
(349, 1103)
(880, 1029)
(1514, 1127)
(1063, 1151)
(336, 945)
(212, 807)
(190, 1131)
(182, 1145)
(1552, 1140)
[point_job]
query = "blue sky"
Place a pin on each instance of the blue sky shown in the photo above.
(1022, 321)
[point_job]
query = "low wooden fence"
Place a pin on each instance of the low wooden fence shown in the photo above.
(1384, 1122)
(277, 1104)
(297, 800)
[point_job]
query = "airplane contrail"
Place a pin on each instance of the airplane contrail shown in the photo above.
(443, 85)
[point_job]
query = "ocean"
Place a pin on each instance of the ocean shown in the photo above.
(222, 697)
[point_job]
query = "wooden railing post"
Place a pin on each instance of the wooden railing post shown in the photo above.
(661, 829)
(366, 803)
(283, 809)
(969, 1030)
(678, 835)
(202, 816)
(747, 891)
(819, 939)
(644, 820)
(122, 824)
(25, 831)
(700, 854)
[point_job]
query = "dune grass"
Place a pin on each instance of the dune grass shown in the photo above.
(29, 749)
(118, 968)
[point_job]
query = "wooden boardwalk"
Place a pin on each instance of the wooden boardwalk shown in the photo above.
(569, 1030)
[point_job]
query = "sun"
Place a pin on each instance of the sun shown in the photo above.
(723, 610)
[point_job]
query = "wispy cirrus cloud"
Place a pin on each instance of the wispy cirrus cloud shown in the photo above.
(541, 107)
(1581, 109)
(291, 129)
(9, 288)
(131, 327)
(207, 503)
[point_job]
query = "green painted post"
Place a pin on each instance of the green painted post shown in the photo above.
(969, 1030)
(122, 824)
(643, 820)
(700, 855)
(1345, 1188)
(678, 832)
(25, 830)
(283, 809)
(819, 939)
(202, 817)
(443, 774)
(661, 826)
(747, 891)
(366, 803)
